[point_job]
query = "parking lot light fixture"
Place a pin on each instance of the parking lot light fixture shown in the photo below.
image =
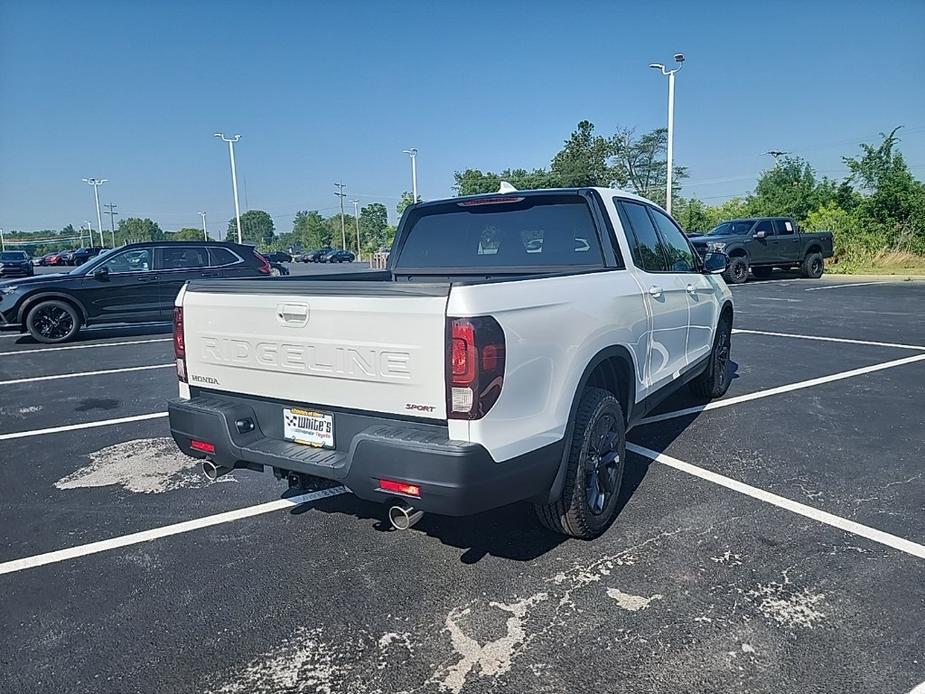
(679, 59)
(234, 178)
(96, 183)
(413, 153)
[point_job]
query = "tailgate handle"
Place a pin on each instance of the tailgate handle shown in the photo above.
(295, 315)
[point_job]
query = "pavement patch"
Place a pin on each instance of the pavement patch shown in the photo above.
(144, 466)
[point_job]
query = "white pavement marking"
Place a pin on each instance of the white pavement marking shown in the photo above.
(717, 404)
(920, 689)
(164, 531)
(849, 526)
(897, 345)
(842, 286)
(85, 373)
(83, 425)
(99, 344)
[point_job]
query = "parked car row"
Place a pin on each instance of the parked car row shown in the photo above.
(327, 255)
(136, 283)
(76, 256)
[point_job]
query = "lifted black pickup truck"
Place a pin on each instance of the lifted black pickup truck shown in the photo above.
(763, 243)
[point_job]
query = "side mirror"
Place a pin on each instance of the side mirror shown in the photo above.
(715, 263)
(759, 235)
(101, 274)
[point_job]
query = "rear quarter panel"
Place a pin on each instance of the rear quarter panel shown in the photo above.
(553, 327)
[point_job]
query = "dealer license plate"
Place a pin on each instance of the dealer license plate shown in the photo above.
(308, 427)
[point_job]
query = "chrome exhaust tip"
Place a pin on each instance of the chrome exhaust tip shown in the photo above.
(213, 471)
(402, 516)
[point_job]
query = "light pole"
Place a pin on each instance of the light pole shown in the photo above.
(2, 243)
(234, 178)
(413, 153)
(90, 231)
(343, 229)
(96, 183)
(205, 231)
(777, 154)
(679, 59)
(356, 218)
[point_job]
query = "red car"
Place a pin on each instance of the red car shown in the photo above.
(57, 258)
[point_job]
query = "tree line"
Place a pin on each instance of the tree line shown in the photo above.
(878, 207)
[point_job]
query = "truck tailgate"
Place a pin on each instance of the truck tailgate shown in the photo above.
(376, 349)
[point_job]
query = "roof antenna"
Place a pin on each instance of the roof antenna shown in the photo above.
(506, 188)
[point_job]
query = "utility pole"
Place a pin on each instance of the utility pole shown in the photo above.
(679, 59)
(111, 206)
(413, 153)
(356, 218)
(234, 178)
(777, 154)
(205, 231)
(96, 183)
(341, 187)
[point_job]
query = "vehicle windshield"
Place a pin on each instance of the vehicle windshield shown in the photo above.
(501, 232)
(737, 227)
(93, 263)
(10, 256)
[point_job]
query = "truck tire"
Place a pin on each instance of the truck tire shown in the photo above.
(761, 273)
(813, 266)
(737, 272)
(595, 469)
(53, 321)
(715, 379)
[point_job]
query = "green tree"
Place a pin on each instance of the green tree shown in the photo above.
(474, 182)
(733, 208)
(692, 214)
(641, 164)
(403, 202)
(135, 229)
(583, 160)
(310, 230)
(187, 234)
(374, 225)
(789, 188)
(256, 227)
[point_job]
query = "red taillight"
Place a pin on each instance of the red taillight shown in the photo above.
(264, 264)
(179, 343)
(475, 366)
(400, 488)
(202, 446)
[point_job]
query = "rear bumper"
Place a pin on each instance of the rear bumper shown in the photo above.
(456, 478)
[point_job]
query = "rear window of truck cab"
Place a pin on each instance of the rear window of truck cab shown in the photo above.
(502, 231)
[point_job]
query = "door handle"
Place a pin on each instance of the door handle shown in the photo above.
(655, 291)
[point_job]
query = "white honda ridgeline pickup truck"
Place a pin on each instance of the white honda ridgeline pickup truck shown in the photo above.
(502, 356)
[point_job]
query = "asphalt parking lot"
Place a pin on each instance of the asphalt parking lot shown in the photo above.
(773, 541)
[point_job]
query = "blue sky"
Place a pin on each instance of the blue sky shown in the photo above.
(322, 91)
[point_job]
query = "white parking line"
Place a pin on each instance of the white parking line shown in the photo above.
(84, 373)
(849, 526)
(842, 286)
(101, 344)
(82, 425)
(897, 345)
(164, 531)
(920, 689)
(717, 404)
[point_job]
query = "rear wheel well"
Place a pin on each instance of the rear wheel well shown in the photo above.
(614, 375)
(814, 249)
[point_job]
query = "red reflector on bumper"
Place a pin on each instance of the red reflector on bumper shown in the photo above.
(400, 488)
(202, 446)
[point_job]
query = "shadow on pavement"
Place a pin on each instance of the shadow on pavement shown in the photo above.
(104, 333)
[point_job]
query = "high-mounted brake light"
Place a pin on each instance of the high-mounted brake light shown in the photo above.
(475, 366)
(495, 200)
(179, 343)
